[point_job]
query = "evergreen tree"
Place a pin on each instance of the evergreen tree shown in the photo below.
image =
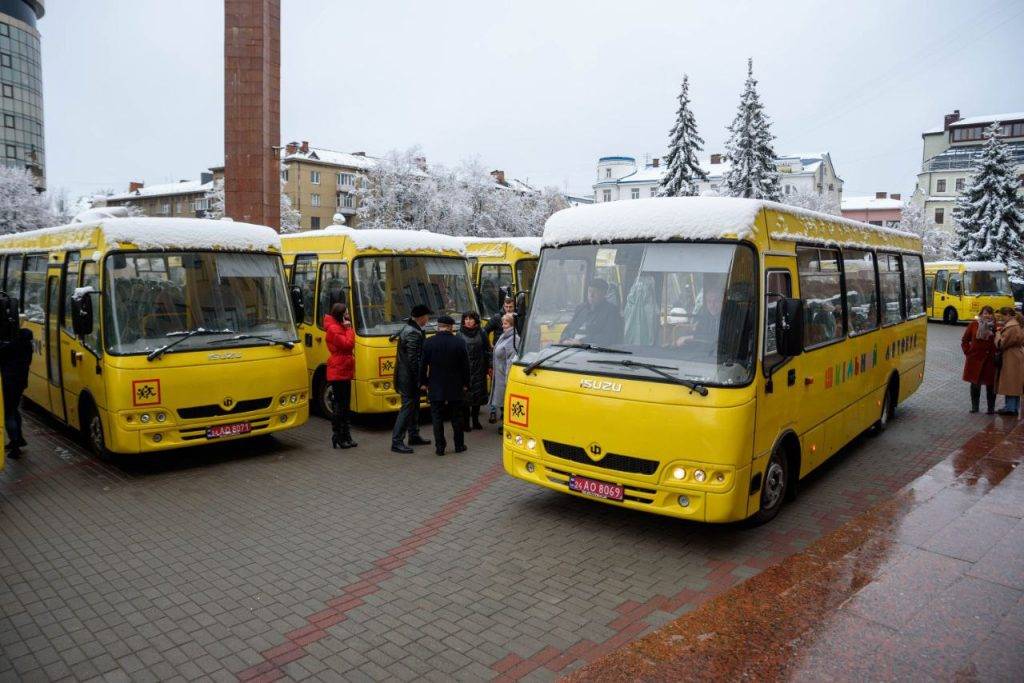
(752, 171)
(682, 169)
(989, 214)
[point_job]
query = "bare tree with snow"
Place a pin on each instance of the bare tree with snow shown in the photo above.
(814, 201)
(749, 151)
(682, 168)
(21, 207)
(935, 241)
(290, 216)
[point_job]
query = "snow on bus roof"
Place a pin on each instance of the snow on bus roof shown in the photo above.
(164, 234)
(968, 265)
(531, 245)
(696, 218)
(398, 240)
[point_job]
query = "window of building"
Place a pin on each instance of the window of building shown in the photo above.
(940, 185)
(878, 223)
(314, 222)
(165, 209)
(284, 175)
(913, 278)
(940, 216)
(5, 59)
(1018, 130)
(201, 204)
(11, 151)
(346, 200)
(607, 194)
(959, 184)
(654, 191)
(8, 90)
(634, 193)
(314, 200)
(890, 283)
(861, 290)
(8, 120)
(821, 290)
(346, 179)
(5, 30)
(831, 187)
(314, 177)
(607, 173)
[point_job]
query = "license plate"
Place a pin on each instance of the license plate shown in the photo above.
(593, 487)
(228, 430)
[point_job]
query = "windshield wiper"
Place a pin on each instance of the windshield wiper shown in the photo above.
(562, 348)
(658, 370)
(283, 342)
(182, 336)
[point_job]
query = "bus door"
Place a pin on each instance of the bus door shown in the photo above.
(77, 363)
(52, 347)
(937, 301)
(778, 396)
(304, 279)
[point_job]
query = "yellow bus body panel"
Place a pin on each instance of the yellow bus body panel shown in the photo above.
(836, 394)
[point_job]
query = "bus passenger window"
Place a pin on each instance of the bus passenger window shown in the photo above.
(861, 299)
(913, 280)
(821, 291)
(35, 281)
(304, 277)
(333, 288)
(889, 269)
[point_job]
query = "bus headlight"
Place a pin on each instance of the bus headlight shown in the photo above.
(293, 398)
(519, 439)
(679, 473)
(281, 401)
(530, 467)
(161, 417)
(144, 418)
(699, 475)
(531, 444)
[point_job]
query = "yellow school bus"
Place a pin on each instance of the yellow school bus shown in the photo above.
(958, 289)
(154, 333)
(748, 343)
(501, 263)
(380, 275)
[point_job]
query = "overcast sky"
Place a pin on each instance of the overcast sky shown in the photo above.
(134, 90)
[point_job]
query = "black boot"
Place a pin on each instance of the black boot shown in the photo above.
(336, 439)
(346, 437)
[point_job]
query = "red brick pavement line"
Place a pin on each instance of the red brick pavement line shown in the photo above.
(512, 667)
(369, 582)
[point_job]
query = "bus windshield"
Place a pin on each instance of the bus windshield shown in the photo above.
(387, 287)
(986, 282)
(153, 298)
(686, 309)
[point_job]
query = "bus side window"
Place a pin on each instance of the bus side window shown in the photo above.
(69, 282)
(12, 282)
(333, 288)
(34, 288)
(890, 283)
(955, 286)
(304, 277)
(915, 303)
(91, 278)
(821, 291)
(940, 281)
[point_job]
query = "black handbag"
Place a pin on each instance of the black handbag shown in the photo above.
(997, 359)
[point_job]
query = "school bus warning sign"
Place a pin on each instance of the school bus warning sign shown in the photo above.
(145, 392)
(519, 410)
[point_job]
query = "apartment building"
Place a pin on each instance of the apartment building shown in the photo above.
(183, 199)
(881, 208)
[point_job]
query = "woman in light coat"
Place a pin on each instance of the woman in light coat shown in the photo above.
(1010, 342)
(504, 354)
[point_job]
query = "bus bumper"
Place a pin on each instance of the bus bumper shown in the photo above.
(171, 436)
(660, 498)
(369, 396)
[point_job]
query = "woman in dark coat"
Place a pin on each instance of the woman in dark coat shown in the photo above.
(979, 346)
(479, 365)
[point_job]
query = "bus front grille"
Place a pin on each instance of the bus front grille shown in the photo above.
(215, 410)
(612, 461)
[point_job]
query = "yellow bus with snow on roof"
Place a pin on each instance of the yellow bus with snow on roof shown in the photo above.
(380, 275)
(501, 264)
(748, 342)
(154, 333)
(957, 290)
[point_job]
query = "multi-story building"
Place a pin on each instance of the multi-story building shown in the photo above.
(619, 177)
(21, 88)
(948, 158)
(877, 209)
(322, 182)
(183, 199)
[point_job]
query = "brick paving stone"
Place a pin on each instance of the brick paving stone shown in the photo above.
(213, 556)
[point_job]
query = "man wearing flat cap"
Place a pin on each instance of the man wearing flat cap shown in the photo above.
(444, 376)
(407, 380)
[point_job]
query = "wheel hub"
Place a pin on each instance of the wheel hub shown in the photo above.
(774, 482)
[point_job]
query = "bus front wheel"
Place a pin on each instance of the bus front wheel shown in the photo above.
(92, 429)
(949, 316)
(323, 396)
(774, 487)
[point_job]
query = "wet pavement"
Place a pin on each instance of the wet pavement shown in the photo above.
(284, 559)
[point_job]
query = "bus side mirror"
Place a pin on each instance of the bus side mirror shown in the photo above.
(789, 327)
(81, 315)
(298, 305)
(521, 305)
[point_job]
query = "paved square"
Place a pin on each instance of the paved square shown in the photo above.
(286, 559)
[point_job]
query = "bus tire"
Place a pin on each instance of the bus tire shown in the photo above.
(323, 397)
(949, 316)
(92, 432)
(888, 412)
(774, 486)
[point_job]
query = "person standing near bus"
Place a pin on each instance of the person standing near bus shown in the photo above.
(1010, 342)
(494, 327)
(504, 354)
(341, 364)
(15, 360)
(444, 377)
(407, 380)
(979, 347)
(479, 364)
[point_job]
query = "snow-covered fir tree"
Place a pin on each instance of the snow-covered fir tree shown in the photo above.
(290, 216)
(749, 151)
(989, 214)
(934, 240)
(21, 207)
(682, 169)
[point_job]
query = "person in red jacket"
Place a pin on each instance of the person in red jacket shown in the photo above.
(341, 366)
(979, 346)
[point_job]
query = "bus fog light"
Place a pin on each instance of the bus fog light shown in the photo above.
(157, 438)
(684, 501)
(679, 473)
(530, 467)
(699, 475)
(144, 418)
(519, 440)
(161, 417)
(386, 385)
(531, 443)
(508, 436)
(283, 419)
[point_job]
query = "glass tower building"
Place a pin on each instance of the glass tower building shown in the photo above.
(21, 88)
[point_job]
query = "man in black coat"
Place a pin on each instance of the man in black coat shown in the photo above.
(597, 320)
(493, 327)
(407, 380)
(15, 360)
(444, 376)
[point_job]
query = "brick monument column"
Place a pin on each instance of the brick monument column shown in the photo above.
(252, 111)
